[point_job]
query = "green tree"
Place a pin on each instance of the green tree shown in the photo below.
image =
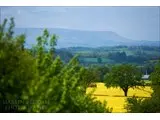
(37, 80)
(97, 73)
(16, 68)
(62, 86)
(102, 70)
(124, 76)
(99, 60)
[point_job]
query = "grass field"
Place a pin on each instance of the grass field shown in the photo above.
(115, 96)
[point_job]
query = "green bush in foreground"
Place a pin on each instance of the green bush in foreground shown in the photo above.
(37, 81)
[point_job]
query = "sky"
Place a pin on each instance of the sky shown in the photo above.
(137, 23)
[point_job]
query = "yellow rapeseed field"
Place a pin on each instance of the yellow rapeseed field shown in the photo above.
(115, 96)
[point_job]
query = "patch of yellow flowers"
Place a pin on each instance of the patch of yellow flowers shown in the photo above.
(115, 96)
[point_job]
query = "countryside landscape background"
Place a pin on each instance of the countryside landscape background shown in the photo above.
(80, 59)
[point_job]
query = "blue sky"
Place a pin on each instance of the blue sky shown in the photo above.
(138, 23)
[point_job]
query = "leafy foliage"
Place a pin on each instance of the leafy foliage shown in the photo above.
(37, 80)
(123, 76)
(16, 68)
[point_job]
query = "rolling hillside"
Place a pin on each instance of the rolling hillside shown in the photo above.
(70, 38)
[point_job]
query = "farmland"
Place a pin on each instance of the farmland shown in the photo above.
(115, 96)
(139, 55)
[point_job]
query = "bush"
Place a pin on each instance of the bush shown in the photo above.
(38, 81)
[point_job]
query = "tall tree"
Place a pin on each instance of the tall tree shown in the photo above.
(16, 68)
(99, 60)
(124, 76)
(42, 82)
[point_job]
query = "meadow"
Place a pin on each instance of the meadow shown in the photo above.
(115, 96)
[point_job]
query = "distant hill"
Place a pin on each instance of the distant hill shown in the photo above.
(74, 38)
